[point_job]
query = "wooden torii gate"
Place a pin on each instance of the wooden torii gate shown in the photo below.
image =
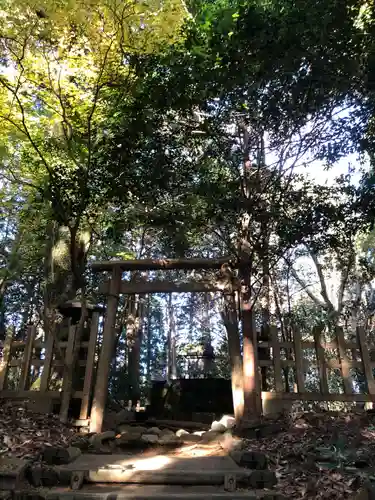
(116, 286)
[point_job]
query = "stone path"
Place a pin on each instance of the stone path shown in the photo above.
(138, 463)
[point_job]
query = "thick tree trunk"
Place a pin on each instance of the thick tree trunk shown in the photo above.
(230, 319)
(252, 397)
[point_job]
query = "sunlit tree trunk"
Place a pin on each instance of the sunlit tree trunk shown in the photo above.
(252, 401)
(230, 319)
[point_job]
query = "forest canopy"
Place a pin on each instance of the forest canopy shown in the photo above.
(172, 129)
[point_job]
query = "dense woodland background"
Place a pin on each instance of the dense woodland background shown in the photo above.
(163, 129)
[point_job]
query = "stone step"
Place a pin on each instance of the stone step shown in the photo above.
(12, 473)
(252, 478)
(162, 469)
(144, 492)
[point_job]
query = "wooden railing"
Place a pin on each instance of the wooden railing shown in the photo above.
(25, 357)
(339, 360)
(338, 354)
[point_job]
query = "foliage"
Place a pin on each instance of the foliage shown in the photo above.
(142, 130)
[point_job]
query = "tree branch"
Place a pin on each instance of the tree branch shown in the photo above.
(305, 287)
(322, 281)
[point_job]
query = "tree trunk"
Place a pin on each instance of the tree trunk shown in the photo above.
(134, 339)
(172, 357)
(264, 353)
(285, 335)
(2, 311)
(230, 319)
(252, 399)
(149, 345)
(8, 274)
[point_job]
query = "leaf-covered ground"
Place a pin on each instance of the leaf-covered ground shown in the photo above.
(322, 455)
(24, 434)
(319, 455)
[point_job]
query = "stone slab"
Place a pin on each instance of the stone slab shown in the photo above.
(158, 462)
(178, 477)
(157, 469)
(145, 492)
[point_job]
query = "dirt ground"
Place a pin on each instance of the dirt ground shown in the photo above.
(318, 456)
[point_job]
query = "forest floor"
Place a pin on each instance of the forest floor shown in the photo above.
(322, 455)
(316, 456)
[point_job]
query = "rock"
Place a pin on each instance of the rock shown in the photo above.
(101, 442)
(218, 427)
(124, 416)
(154, 430)
(230, 443)
(49, 455)
(199, 433)
(210, 436)
(150, 438)
(228, 421)
(122, 428)
(182, 432)
(68, 455)
(129, 440)
(59, 456)
(138, 428)
(190, 438)
(167, 432)
(250, 459)
(169, 440)
(102, 436)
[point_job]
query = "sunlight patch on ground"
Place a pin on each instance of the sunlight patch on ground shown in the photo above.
(152, 463)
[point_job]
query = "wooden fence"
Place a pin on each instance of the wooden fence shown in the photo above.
(340, 355)
(33, 362)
